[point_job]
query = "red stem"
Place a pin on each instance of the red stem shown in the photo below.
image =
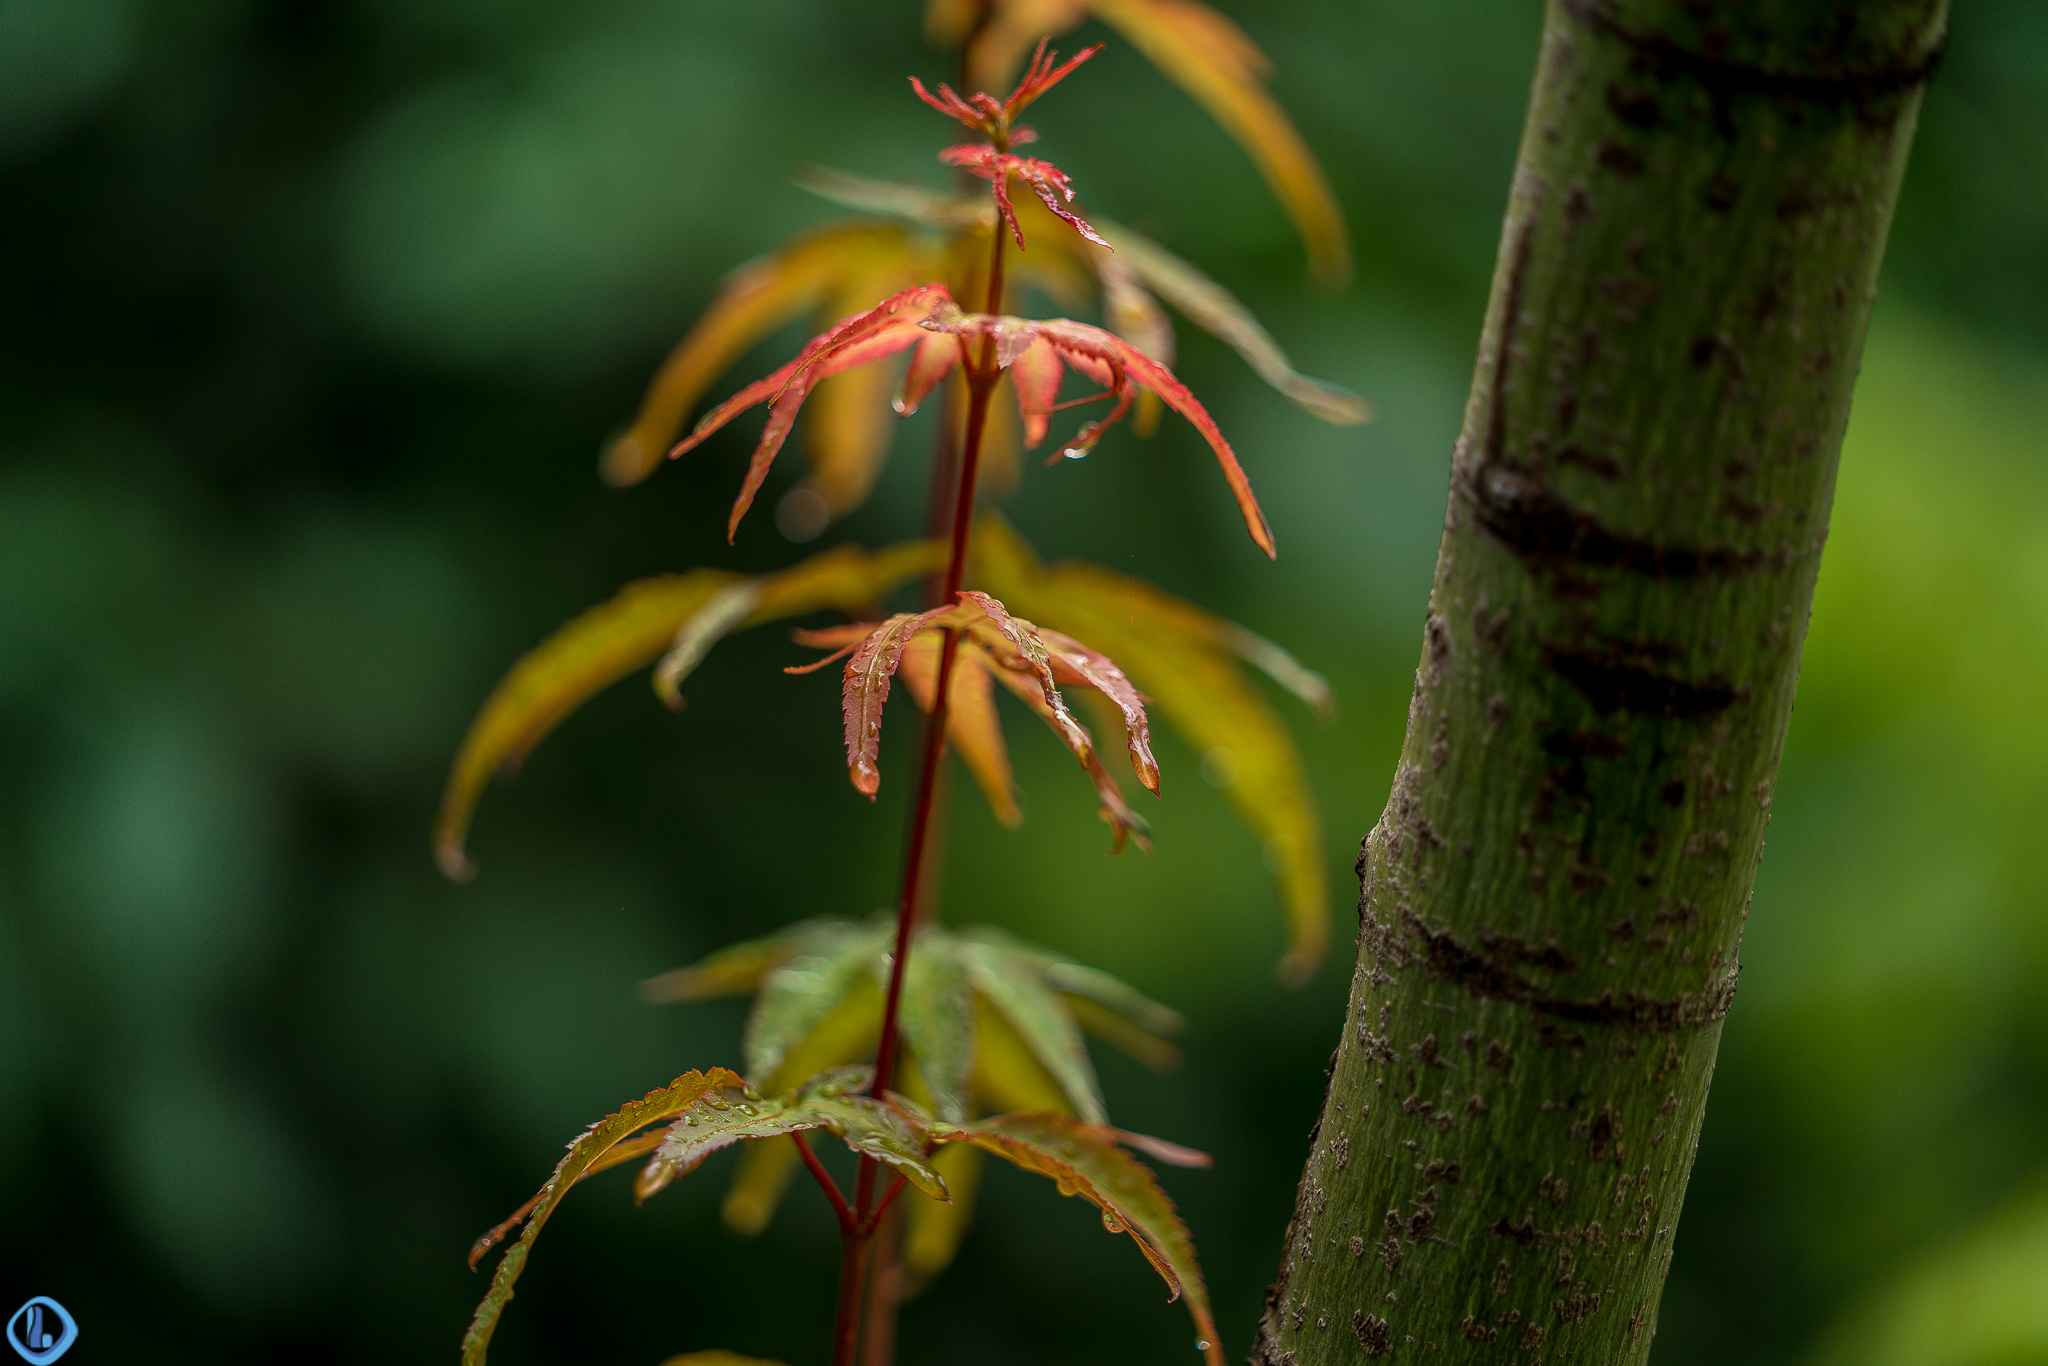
(981, 383)
(884, 1291)
(895, 1189)
(846, 1323)
(982, 376)
(847, 1223)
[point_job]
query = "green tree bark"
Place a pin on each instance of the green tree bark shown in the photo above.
(1552, 903)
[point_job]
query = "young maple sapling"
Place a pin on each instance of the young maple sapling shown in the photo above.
(921, 1047)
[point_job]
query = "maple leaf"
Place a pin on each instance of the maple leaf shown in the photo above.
(833, 271)
(679, 615)
(1214, 309)
(1046, 180)
(1126, 282)
(990, 1023)
(1013, 652)
(584, 1157)
(993, 118)
(1186, 661)
(705, 1112)
(831, 1101)
(882, 331)
(1115, 364)
(1086, 1159)
(1200, 50)
(994, 160)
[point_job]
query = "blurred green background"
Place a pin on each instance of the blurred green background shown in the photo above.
(316, 314)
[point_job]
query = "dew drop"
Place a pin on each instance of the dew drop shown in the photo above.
(1201, 1344)
(1075, 452)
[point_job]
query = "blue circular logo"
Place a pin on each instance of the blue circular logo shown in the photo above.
(41, 1331)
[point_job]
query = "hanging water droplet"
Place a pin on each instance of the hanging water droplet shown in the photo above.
(1201, 1344)
(1075, 452)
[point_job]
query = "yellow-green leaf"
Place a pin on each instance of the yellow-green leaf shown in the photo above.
(1083, 1159)
(938, 1022)
(1211, 58)
(1214, 309)
(804, 990)
(1007, 1074)
(845, 577)
(584, 1154)
(972, 727)
(757, 299)
(720, 615)
(955, 1032)
(732, 971)
(1112, 1028)
(717, 1358)
(590, 653)
(1130, 311)
(1041, 1019)
(632, 630)
(1126, 280)
(933, 1228)
(1078, 979)
(1182, 657)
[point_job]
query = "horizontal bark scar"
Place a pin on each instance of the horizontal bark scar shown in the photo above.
(1517, 507)
(1488, 975)
(1619, 681)
(1721, 77)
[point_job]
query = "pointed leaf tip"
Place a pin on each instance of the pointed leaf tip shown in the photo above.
(628, 632)
(882, 331)
(1186, 661)
(1121, 368)
(593, 1151)
(1084, 1159)
(1210, 57)
(756, 299)
(866, 688)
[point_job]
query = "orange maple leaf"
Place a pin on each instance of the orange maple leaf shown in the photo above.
(1035, 352)
(1046, 180)
(986, 114)
(993, 161)
(1028, 660)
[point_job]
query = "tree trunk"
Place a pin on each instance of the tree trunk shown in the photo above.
(1552, 903)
